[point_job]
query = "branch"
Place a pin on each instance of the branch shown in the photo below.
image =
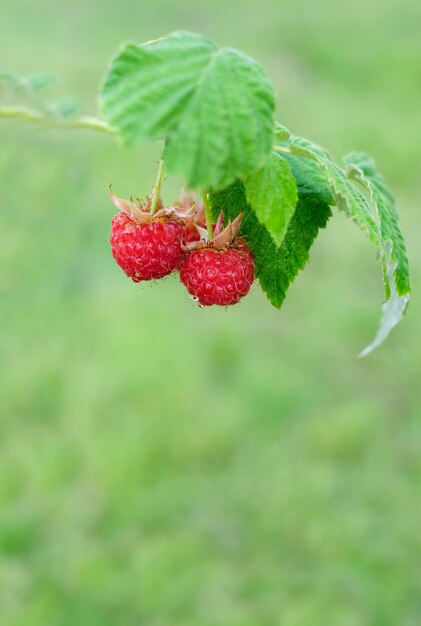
(29, 115)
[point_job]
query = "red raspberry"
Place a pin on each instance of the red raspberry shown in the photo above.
(191, 234)
(146, 251)
(220, 277)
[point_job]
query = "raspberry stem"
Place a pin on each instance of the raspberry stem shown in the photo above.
(293, 150)
(157, 188)
(207, 214)
(29, 115)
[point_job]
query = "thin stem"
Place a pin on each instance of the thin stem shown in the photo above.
(293, 150)
(29, 115)
(208, 214)
(157, 188)
(282, 149)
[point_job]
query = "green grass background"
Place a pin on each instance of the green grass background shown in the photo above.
(164, 465)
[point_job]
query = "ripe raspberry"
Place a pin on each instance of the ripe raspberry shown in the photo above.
(194, 226)
(194, 213)
(191, 234)
(146, 251)
(220, 277)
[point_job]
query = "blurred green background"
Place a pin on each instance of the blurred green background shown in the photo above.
(164, 465)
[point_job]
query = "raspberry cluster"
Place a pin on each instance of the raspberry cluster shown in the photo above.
(150, 245)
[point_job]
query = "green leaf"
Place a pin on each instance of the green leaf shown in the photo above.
(276, 266)
(393, 255)
(272, 194)
(281, 133)
(310, 178)
(346, 195)
(213, 106)
(376, 216)
(33, 82)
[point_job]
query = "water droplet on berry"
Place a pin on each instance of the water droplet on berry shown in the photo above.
(195, 298)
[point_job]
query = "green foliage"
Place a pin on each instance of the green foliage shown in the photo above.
(39, 80)
(310, 178)
(345, 195)
(280, 132)
(213, 106)
(363, 169)
(376, 217)
(272, 193)
(393, 255)
(276, 266)
(33, 82)
(230, 468)
(33, 106)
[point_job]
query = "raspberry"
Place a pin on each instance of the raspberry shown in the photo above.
(146, 251)
(220, 277)
(191, 234)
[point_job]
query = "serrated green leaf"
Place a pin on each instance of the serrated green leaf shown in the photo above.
(346, 195)
(310, 178)
(272, 194)
(281, 133)
(148, 85)
(276, 267)
(394, 259)
(213, 106)
(376, 217)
